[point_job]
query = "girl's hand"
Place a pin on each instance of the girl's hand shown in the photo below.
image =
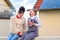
(30, 23)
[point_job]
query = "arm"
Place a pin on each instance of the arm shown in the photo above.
(24, 26)
(12, 24)
(39, 22)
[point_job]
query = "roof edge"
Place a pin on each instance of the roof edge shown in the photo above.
(9, 4)
(49, 9)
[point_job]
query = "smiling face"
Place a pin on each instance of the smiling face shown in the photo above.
(21, 12)
(32, 13)
(20, 15)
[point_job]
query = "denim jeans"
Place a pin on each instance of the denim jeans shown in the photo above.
(13, 36)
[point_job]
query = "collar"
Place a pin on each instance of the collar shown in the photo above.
(33, 17)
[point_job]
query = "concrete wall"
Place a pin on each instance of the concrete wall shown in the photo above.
(4, 27)
(50, 23)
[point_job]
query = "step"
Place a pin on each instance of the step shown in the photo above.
(39, 38)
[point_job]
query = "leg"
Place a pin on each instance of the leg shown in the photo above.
(10, 36)
(15, 37)
(30, 36)
(32, 39)
(22, 38)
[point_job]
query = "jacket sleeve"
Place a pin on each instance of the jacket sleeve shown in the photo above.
(39, 22)
(24, 26)
(12, 24)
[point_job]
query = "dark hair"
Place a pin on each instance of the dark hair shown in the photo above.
(21, 9)
(35, 11)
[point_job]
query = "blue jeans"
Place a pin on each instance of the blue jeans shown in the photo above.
(13, 36)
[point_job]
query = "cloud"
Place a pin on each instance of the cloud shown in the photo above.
(25, 4)
(25, 1)
(22, 3)
(28, 4)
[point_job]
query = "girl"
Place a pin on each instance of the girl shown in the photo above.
(33, 23)
(17, 25)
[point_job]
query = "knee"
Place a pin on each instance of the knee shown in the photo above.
(21, 38)
(12, 39)
(26, 38)
(10, 36)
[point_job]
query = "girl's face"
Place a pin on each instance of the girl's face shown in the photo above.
(20, 15)
(32, 13)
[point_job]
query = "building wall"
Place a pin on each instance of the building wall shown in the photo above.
(3, 2)
(50, 23)
(4, 24)
(4, 27)
(3, 6)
